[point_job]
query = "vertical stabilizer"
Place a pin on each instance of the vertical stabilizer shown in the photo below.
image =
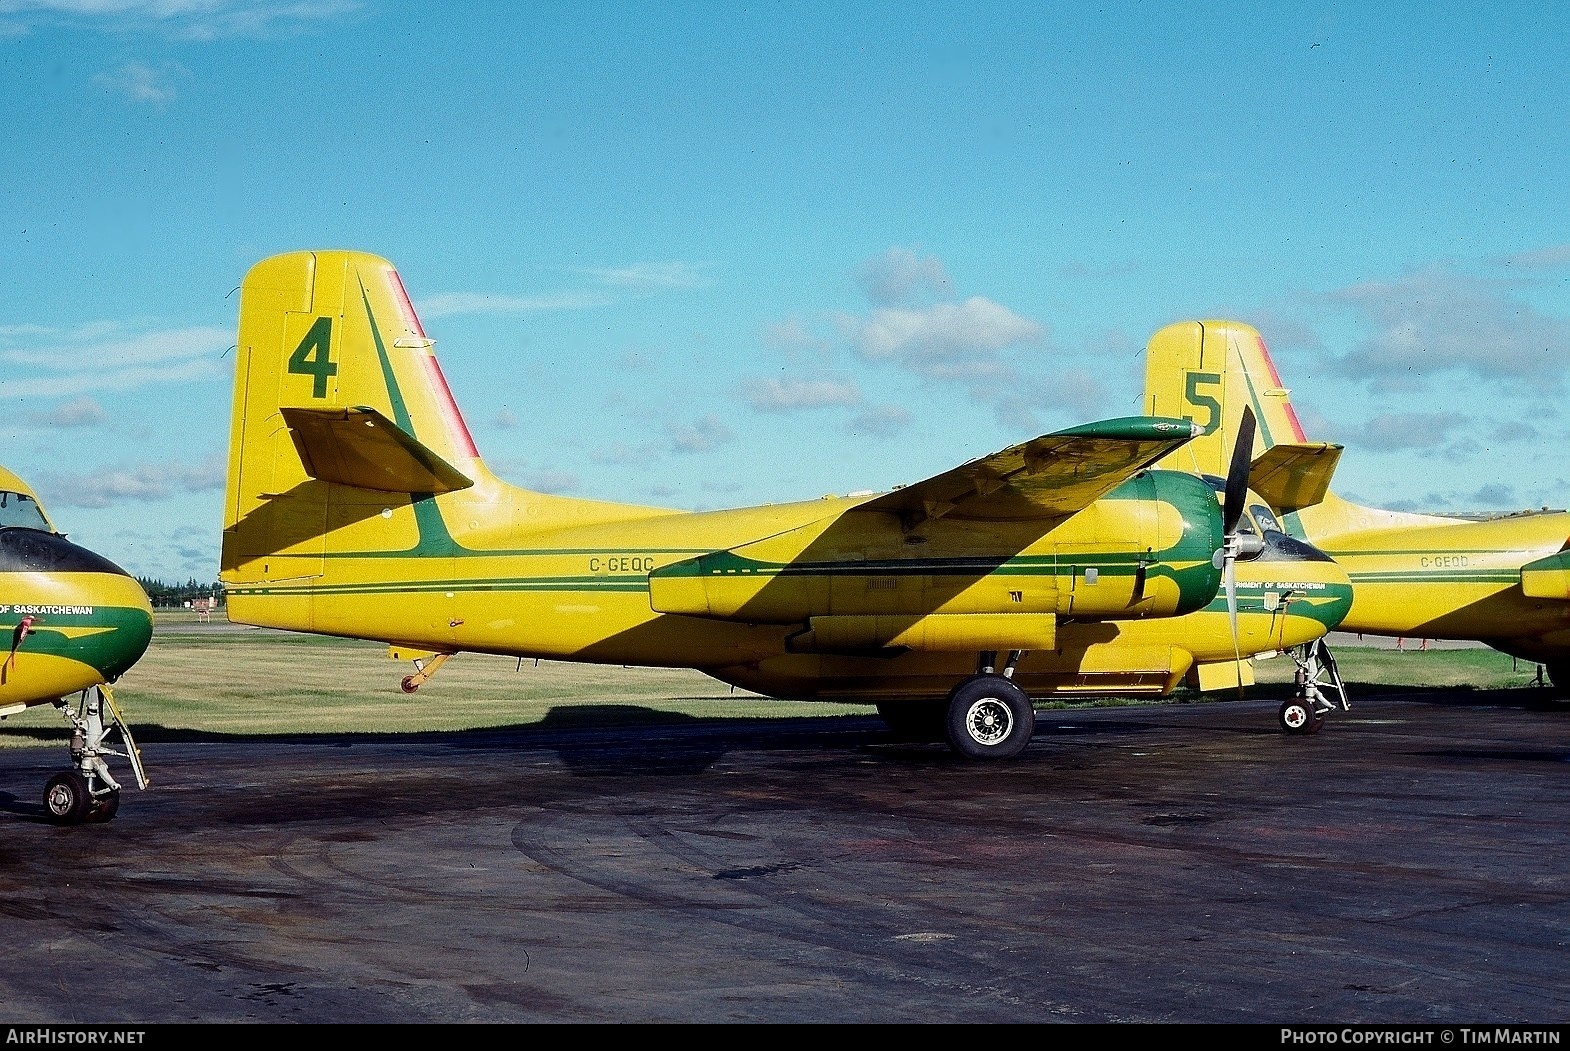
(1208, 372)
(339, 405)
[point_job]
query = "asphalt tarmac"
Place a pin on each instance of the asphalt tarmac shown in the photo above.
(1182, 863)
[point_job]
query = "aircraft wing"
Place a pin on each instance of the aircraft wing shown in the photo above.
(1294, 476)
(1048, 477)
(363, 448)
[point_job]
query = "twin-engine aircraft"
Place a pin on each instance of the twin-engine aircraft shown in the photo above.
(358, 506)
(1502, 581)
(72, 623)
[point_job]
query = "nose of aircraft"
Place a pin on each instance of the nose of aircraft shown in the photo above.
(129, 616)
(77, 612)
(1311, 587)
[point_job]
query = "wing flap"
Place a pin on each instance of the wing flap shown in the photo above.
(363, 448)
(1050, 477)
(1293, 476)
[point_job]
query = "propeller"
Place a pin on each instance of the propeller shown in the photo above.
(1235, 496)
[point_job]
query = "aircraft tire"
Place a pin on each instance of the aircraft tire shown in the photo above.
(1559, 675)
(1298, 717)
(66, 798)
(989, 717)
(916, 721)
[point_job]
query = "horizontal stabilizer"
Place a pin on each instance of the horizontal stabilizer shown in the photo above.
(363, 448)
(1050, 477)
(1547, 578)
(1294, 476)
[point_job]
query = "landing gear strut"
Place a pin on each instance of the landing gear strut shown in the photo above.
(1320, 690)
(88, 792)
(423, 670)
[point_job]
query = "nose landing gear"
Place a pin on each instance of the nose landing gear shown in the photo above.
(1320, 690)
(88, 791)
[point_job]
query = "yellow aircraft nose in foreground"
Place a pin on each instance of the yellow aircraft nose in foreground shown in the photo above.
(71, 622)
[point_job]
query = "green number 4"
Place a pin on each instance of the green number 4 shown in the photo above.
(310, 358)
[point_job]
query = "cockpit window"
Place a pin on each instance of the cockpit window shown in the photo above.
(19, 509)
(1267, 520)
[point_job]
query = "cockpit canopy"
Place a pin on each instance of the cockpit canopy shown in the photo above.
(1257, 516)
(22, 509)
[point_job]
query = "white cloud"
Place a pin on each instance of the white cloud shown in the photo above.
(79, 412)
(900, 276)
(1438, 320)
(644, 277)
(703, 436)
(550, 481)
(882, 421)
(792, 336)
(1548, 257)
(1407, 430)
(74, 383)
(141, 483)
(101, 346)
(943, 341)
(63, 363)
(183, 19)
(140, 83)
(451, 303)
(790, 395)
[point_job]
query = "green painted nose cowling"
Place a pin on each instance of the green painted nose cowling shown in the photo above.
(1192, 555)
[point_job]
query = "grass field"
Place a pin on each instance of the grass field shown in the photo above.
(219, 679)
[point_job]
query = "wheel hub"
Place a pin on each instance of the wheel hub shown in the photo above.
(989, 720)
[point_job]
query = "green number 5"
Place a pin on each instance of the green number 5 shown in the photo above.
(1197, 400)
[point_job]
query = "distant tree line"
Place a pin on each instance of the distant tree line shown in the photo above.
(175, 596)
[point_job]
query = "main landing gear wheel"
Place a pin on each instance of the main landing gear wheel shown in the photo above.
(989, 717)
(1559, 676)
(1298, 716)
(66, 798)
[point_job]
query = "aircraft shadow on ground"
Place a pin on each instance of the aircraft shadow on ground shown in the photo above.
(635, 741)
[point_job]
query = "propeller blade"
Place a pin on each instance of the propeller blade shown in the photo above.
(1232, 514)
(1237, 474)
(1231, 581)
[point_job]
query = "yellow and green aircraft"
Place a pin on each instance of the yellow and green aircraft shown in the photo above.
(1503, 581)
(73, 622)
(358, 506)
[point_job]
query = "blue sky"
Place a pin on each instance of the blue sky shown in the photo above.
(712, 254)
